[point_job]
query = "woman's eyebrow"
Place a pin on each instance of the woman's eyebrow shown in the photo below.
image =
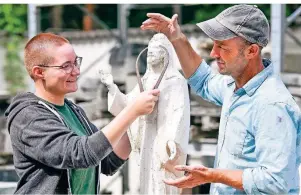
(66, 62)
(70, 61)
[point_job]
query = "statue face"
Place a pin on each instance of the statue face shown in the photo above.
(155, 54)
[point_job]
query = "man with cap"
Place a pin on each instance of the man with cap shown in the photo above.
(258, 148)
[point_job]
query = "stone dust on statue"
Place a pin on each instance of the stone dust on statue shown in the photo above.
(160, 139)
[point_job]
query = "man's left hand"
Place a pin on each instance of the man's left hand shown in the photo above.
(194, 176)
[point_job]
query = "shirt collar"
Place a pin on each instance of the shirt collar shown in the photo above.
(253, 84)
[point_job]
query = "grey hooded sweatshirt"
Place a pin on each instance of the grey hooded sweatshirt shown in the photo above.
(45, 149)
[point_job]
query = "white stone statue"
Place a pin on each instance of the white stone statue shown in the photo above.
(161, 138)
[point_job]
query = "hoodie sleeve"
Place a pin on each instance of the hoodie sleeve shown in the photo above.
(39, 134)
(111, 163)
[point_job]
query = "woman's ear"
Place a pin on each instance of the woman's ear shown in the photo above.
(252, 51)
(38, 72)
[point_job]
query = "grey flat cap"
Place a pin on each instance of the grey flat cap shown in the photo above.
(246, 21)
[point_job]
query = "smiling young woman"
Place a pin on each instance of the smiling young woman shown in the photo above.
(57, 150)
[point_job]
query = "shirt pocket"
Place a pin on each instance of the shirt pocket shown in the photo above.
(235, 136)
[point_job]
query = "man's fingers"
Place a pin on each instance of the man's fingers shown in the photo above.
(153, 27)
(174, 19)
(151, 21)
(199, 168)
(183, 168)
(176, 182)
(158, 17)
(150, 27)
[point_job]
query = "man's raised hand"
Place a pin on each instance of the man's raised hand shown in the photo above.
(163, 24)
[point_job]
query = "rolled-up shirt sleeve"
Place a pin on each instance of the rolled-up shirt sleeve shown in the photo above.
(208, 85)
(276, 137)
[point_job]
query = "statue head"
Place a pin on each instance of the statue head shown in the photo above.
(156, 55)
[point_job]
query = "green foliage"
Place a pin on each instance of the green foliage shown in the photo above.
(191, 14)
(198, 13)
(138, 15)
(13, 23)
(208, 11)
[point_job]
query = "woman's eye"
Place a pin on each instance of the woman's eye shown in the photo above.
(66, 66)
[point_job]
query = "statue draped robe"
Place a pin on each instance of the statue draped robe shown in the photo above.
(149, 134)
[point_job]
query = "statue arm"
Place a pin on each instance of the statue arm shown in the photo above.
(116, 99)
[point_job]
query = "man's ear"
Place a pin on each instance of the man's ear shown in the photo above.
(252, 51)
(38, 72)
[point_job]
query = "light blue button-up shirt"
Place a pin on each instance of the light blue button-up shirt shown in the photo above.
(259, 130)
